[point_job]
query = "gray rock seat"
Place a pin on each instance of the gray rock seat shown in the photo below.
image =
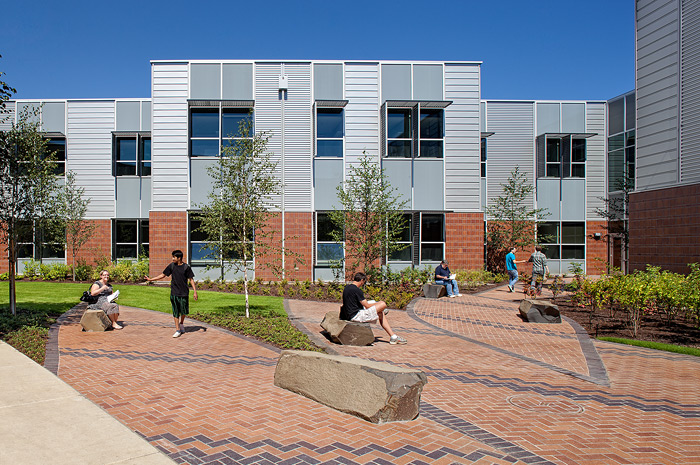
(539, 311)
(348, 333)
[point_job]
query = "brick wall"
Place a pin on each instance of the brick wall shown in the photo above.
(664, 228)
(596, 249)
(167, 232)
(464, 240)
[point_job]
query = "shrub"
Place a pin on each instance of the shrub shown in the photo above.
(83, 271)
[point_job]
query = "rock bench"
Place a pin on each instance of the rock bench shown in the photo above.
(348, 333)
(95, 320)
(374, 391)
(539, 311)
(434, 291)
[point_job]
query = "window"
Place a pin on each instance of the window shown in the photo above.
(564, 240)
(327, 250)
(406, 240)
(200, 251)
(329, 132)
(130, 239)
(212, 128)
(483, 157)
(553, 159)
(33, 244)
(431, 134)
(132, 154)
(432, 237)
(578, 158)
(57, 146)
(400, 133)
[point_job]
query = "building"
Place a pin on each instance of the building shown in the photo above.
(143, 162)
(664, 210)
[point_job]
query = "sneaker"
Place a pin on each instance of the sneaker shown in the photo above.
(459, 295)
(396, 339)
(182, 329)
(385, 311)
(510, 288)
(452, 296)
(177, 334)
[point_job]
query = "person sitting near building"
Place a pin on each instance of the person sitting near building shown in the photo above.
(102, 289)
(444, 276)
(539, 269)
(356, 308)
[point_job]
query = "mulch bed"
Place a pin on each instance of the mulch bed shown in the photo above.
(654, 327)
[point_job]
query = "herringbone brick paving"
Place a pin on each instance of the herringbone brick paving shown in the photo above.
(499, 391)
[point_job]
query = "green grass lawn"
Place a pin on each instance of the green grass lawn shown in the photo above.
(654, 345)
(40, 303)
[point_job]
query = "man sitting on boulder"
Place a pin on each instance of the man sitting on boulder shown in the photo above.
(357, 308)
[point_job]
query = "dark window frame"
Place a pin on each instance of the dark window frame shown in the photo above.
(140, 244)
(221, 138)
(142, 166)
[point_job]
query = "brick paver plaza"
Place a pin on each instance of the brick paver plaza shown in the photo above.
(499, 391)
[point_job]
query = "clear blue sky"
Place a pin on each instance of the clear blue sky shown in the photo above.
(544, 49)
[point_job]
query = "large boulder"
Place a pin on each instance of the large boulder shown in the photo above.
(95, 320)
(348, 333)
(434, 291)
(539, 311)
(374, 391)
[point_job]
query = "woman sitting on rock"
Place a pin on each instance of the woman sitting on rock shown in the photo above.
(103, 289)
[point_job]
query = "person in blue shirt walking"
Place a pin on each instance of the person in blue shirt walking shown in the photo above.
(512, 269)
(442, 276)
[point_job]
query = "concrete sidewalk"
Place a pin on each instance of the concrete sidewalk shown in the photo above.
(44, 420)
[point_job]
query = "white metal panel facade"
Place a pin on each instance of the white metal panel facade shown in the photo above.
(89, 153)
(657, 76)
(690, 92)
(268, 111)
(7, 117)
(511, 145)
(462, 138)
(297, 138)
(169, 132)
(361, 112)
(595, 159)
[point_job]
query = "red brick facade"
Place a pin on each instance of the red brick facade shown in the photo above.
(298, 230)
(464, 240)
(664, 227)
(98, 246)
(167, 232)
(596, 248)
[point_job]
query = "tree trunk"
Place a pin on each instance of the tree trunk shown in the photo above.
(11, 273)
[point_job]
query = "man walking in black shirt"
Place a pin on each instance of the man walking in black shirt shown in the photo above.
(357, 308)
(179, 292)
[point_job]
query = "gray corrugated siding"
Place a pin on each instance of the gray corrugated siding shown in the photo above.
(361, 112)
(690, 92)
(657, 93)
(89, 153)
(595, 159)
(297, 138)
(170, 175)
(7, 117)
(268, 111)
(511, 145)
(462, 138)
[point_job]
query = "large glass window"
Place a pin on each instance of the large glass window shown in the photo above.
(132, 155)
(329, 132)
(406, 240)
(553, 159)
(578, 158)
(130, 239)
(432, 239)
(58, 148)
(211, 128)
(565, 240)
(399, 132)
(327, 250)
(34, 244)
(431, 134)
(483, 157)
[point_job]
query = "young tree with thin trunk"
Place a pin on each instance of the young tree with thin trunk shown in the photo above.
(512, 219)
(71, 224)
(616, 212)
(236, 219)
(28, 187)
(370, 217)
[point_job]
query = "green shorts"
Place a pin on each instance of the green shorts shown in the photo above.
(181, 305)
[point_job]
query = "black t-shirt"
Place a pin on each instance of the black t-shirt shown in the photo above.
(178, 282)
(352, 302)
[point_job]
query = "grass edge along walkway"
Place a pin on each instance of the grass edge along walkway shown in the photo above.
(653, 345)
(41, 303)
